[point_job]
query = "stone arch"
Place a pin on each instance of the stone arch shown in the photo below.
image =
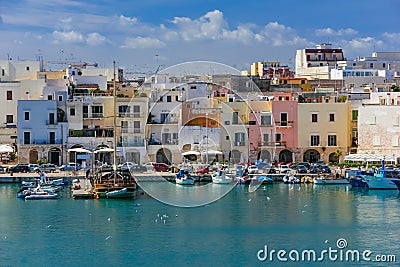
(286, 156)
(264, 155)
(333, 157)
(33, 156)
(164, 155)
(187, 147)
(311, 155)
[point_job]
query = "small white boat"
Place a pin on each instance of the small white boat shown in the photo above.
(185, 180)
(117, 193)
(220, 177)
(41, 195)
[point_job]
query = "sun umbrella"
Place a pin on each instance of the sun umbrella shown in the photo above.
(191, 152)
(104, 150)
(6, 149)
(214, 152)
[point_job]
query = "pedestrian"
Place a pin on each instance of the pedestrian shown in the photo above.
(87, 173)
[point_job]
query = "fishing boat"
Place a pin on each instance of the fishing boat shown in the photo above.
(291, 179)
(115, 180)
(221, 177)
(382, 179)
(38, 195)
(263, 179)
(183, 178)
(116, 193)
(396, 181)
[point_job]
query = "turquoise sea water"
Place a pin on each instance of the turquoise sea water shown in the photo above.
(228, 232)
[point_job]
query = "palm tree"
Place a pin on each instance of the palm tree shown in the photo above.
(338, 154)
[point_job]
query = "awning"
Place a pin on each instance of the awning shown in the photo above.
(212, 152)
(371, 157)
(79, 150)
(191, 152)
(104, 150)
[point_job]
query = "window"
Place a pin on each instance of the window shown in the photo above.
(122, 110)
(235, 118)
(176, 98)
(72, 111)
(85, 111)
(284, 118)
(266, 120)
(240, 139)
(332, 140)
(97, 111)
(52, 137)
(27, 68)
(49, 97)
(9, 95)
(51, 118)
(354, 115)
(161, 99)
(226, 137)
(314, 117)
(373, 120)
(26, 115)
(136, 111)
(136, 126)
(376, 140)
(331, 117)
(60, 98)
(169, 99)
(314, 140)
(124, 126)
(9, 118)
(395, 140)
(213, 122)
(27, 138)
(396, 120)
(2, 72)
(371, 65)
(265, 139)
(278, 137)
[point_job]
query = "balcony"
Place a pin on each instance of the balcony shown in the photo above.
(130, 144)
(272, 144)
(163, 143)
(97, 115)
(131, 115)
(284, 123)
(240, 143)
(42, 142)
(91, 133)
(51, 122)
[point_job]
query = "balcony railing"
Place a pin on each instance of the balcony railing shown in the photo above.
(42, 142)
(164, 143)
(131, 115)
(273, 144)
(97, 115)
(130, 144)
(240, 143)
(51, 122)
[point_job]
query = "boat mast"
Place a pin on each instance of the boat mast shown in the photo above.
(115, 128)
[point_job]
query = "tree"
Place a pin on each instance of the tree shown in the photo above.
(338, 154)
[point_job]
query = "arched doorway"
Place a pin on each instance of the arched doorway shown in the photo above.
(333, 157)
(164, 155)
(286, 156)
(54, 156)
(311, 156)
(264, 155)
(33, 156)
(235, 156)
(187, 147)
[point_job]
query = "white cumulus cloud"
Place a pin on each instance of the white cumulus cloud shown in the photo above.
(332, 32)
(95, 38)
(67, 36)
(278, 34)
(142, 42)
(127, 20)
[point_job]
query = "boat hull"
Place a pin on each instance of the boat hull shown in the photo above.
(322, 181)
(380, 183)
(184, 181)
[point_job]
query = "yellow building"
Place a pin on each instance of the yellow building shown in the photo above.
(324, 129)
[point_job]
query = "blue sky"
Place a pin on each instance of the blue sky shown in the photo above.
(143, 34)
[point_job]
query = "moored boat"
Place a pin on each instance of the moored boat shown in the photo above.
(109, 182)
(221, 177)
(330, 180)
(116, 193)
(183, 178)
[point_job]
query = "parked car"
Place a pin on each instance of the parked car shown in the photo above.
(203, 170)
(48, 167)
(125, 166)
(313, 169)
(301, 169)
(283, 168)
(33, 166)
(252, 169)
(21, 167)
(159, 167)
(70, 167)
(325, 169)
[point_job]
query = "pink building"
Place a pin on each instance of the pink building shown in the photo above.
(285, 114)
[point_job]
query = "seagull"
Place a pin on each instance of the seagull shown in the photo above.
(249, 199)
(268, 198)
(109, 219)
(48, 226)
(108, 237)
(326, 241)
